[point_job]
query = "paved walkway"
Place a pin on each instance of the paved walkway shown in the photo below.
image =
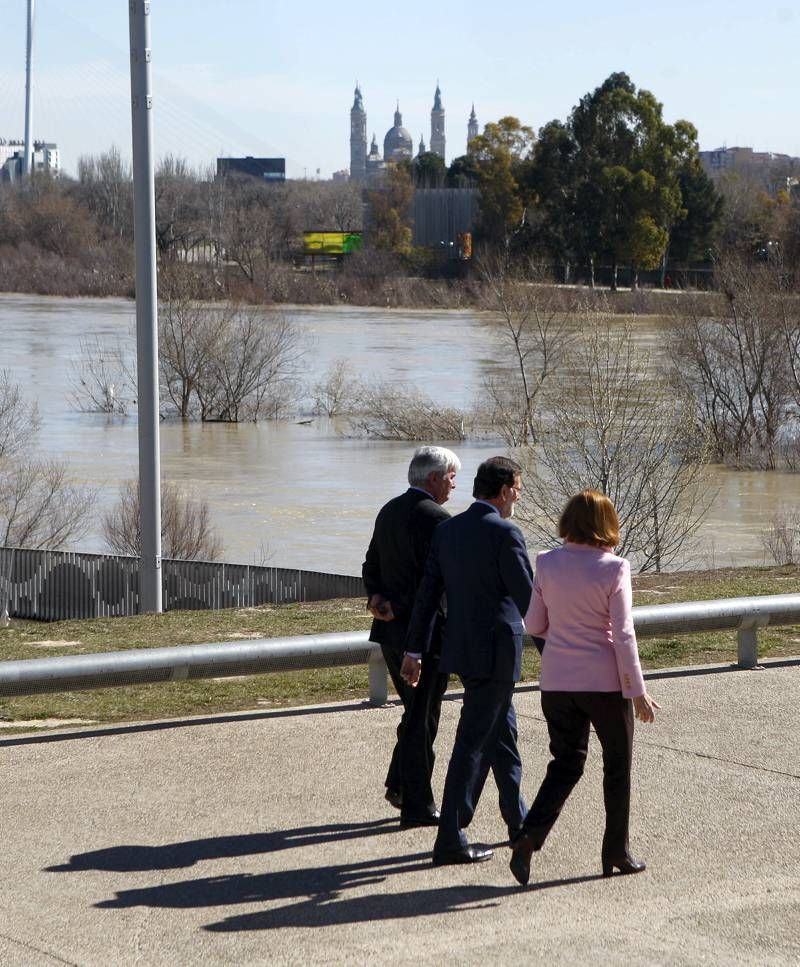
(263, 838)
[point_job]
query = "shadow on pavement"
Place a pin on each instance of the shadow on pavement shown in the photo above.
(325, 911)
(319, 889)
(172, 856)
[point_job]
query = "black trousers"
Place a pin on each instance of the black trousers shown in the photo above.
(569, 715)
(411, 765)
(486, 738)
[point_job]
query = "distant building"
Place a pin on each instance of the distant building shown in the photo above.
(266, 169)
(775, 172)
(443, 216)
(367, 166)
(472, 127)
(437, 124)
(46, 158)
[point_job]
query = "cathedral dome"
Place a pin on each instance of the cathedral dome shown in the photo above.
(397, 145)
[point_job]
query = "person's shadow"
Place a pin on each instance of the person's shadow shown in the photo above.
(172, 856)
(320, 891)
(317, 890)
(327, 911)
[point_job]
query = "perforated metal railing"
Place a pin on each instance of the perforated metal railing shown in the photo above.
(260, 656)
(61, 585)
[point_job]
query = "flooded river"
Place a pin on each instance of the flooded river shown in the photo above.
(300, 494)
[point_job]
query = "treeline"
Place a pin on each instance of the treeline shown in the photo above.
(613, 185)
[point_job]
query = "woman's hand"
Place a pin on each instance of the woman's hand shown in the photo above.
(645, 707)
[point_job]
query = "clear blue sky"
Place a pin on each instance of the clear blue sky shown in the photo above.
(251, 77)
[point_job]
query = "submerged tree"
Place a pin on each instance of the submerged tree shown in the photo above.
(534, 332)
(614, 426)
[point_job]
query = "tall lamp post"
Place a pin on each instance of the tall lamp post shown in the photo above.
(27, 164)
(144, 229)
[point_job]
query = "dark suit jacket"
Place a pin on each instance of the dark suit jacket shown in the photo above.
(480, 560)
(395, 561)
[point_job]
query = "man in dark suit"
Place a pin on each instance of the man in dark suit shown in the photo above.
(392, 571)
(479, 559)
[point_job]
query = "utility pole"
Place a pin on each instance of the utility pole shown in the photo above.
(27, 165)
(144, 231)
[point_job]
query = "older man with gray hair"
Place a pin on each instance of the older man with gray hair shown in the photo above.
(392, 572)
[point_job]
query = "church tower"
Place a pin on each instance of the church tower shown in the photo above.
(472, 128)
(437, 124)
(358, 138)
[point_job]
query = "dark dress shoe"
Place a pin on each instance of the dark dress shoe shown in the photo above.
(625, 864)
(412, 820)
(521, 852)
(394, 797)
(454, 857)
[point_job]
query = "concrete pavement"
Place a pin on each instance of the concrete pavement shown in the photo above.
(263, 838)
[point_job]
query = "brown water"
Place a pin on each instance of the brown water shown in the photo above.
(303, 495)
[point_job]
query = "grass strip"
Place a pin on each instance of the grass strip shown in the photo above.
(33, 639)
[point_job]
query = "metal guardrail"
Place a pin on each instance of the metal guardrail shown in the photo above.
(263, 655)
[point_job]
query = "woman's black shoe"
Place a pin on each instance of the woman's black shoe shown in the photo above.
(625, 864)
(521, 853)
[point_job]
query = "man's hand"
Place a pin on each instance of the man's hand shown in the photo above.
(380, 608)
(410, 670)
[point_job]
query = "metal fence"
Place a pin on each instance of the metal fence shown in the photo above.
(231, 658)
(59, 585)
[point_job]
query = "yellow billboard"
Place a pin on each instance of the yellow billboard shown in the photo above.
(331, 243)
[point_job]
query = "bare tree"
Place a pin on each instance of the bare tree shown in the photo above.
(781, 539)
(256, 224)
(19, 419)
(613, 426)
(40, 506)
(102, 378)
(738, 363)
(179, 208)
(105, 184)
(536, 333)
(187, 533)
(253, 368)
(395, 412)
(189, 333)
(337, 392)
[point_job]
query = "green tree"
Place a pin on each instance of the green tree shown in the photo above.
(551, 182)
(625, 198)
(390, 212)
(502, 158)
(429, 170)
(463, 172)
(693, 237)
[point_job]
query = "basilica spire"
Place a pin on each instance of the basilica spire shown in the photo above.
(472, 127)
(437, 124)
(358, 137)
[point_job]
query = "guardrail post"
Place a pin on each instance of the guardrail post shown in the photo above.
(747, 639)
(378, 685)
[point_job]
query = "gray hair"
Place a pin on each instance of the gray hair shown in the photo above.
(428, 460)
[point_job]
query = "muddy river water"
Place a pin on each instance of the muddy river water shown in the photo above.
(296, 493)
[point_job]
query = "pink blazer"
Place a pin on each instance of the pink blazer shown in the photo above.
(581, 605)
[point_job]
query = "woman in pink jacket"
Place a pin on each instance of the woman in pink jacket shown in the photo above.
(581, 605)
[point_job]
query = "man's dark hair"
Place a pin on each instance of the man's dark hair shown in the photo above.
(491, 476)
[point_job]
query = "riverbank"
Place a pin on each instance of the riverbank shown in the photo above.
(46, 274)
(29, 639)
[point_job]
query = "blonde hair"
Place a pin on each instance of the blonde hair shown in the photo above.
(590, 518)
